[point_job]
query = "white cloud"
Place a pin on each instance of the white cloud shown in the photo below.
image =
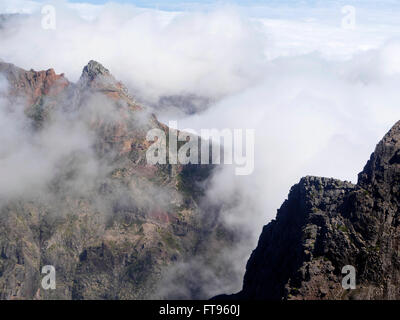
(312, 116)
(156, 53)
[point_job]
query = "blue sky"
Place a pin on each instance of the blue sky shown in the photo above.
(179, 4)
(146, 3)
(174, 4)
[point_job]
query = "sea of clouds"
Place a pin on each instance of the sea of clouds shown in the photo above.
(319, 95)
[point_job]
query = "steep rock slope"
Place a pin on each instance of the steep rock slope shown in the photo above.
(326, 224)
(105, 219)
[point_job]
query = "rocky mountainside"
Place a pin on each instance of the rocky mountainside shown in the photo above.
(107, 221)
(326, 224)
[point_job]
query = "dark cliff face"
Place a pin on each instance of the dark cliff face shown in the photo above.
(326, 224)
(109, 232)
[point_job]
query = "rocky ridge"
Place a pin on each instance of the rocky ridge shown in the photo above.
(326, 224)
(111, 235)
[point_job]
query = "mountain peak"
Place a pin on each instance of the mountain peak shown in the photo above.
(32, 84)
(382, 168)
(94, 69)
(325, 225)
(97, 77)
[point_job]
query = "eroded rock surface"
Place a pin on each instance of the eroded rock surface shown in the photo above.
(106, 220)
(326, 224)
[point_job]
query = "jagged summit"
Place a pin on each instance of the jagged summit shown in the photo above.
(94, 69)
(33, 86)
(326, 224)
(107, 220)
(96, 76)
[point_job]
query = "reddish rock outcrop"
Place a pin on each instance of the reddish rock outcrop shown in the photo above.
(32, 85)
(111, 235)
